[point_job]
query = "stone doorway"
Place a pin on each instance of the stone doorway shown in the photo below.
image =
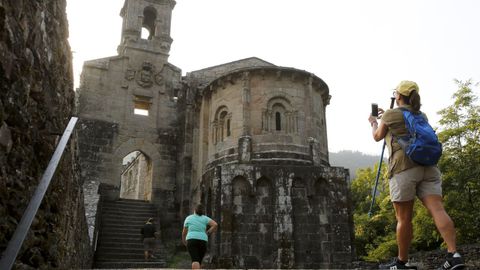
(136, 177)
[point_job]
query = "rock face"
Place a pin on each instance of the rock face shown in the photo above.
(247, 138)
(36, 103)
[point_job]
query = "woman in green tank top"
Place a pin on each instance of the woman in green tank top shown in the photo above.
(195, 234)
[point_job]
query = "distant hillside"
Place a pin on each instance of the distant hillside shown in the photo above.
(354, 160)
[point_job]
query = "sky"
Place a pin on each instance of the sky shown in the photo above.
(361, 49)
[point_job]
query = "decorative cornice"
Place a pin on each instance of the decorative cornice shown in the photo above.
(277, 73)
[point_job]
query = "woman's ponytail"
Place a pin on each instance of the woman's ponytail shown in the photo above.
(414, 101)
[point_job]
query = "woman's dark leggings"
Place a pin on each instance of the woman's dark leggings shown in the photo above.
(196, 248)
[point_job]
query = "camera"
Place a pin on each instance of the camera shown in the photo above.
(374, 109)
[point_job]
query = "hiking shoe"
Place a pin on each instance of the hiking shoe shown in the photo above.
(452, 263)
(396, 264)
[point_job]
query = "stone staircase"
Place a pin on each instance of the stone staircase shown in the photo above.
(119, 243)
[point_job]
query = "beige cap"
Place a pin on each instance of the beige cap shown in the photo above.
(405, 88)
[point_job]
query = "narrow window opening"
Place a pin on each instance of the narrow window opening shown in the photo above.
(141, 107)
(278, 121)
(149, 18)
(228, 127)
(175, 95)
(223, 125)
(141, 112)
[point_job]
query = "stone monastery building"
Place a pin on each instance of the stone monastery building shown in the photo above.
(248, 139)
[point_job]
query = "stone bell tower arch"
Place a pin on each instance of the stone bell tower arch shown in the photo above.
(155, 17)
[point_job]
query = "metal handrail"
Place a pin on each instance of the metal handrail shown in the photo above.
(13, 247)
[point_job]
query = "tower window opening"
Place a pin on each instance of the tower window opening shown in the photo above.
(149, 18)
(278, 121)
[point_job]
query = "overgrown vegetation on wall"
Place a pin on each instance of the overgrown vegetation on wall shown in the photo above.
(460, 166)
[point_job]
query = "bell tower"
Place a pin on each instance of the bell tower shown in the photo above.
(153, 19)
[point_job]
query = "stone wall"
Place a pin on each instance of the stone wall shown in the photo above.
(36, 103)
(95, 145)
(279, 216)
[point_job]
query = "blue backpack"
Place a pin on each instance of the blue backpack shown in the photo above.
(421, 145)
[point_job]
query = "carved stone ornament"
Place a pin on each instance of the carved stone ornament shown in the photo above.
(129, 74)
(159, 78)
(145, 75)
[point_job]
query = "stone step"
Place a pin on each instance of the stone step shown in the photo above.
(124, 250)
(112, 220)
(124, 230)
(117, 244)
(128, 216)
(120, 249)
(120, 243)
(127, 205)
(120, 255)
(133, 246)
(120, 236)
(141, 217)
(121, 225)
(132, 264)
(116, 210)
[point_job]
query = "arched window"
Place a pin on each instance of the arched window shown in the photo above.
(279, 116)
(221, 125)
(149, 18)
(278, 121)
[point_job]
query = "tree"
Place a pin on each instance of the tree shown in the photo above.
(460, 162)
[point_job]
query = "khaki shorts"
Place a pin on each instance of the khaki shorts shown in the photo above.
(420, 181)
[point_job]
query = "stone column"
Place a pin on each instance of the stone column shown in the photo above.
(158, 28)
(283, 225)
(217, 206)
(245, 141)
(224, 193)
(309, 122)
(246, 104)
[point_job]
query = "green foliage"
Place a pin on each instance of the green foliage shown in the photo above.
(386, 246)
(460, 166)
(425, 234)
(460, 162)
(362, 188)
(373, 234)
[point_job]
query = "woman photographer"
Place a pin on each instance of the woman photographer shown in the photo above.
(409, 179)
